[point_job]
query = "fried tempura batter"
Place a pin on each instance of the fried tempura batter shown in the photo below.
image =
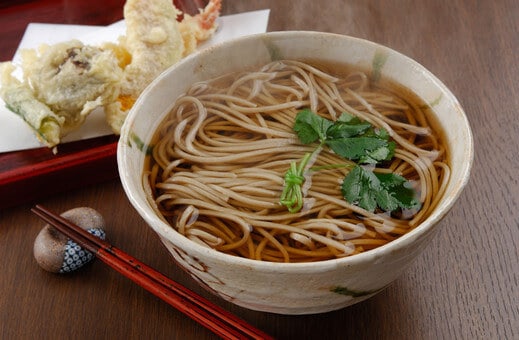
(198, 28)
(72, 79)
(20, 100)
(155, 40)
(69, 79)
(63, 83)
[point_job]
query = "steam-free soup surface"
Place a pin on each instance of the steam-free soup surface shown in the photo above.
(222, 161)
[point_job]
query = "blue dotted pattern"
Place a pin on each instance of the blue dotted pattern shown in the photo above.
(75, 257)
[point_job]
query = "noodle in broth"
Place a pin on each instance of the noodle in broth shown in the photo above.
(219, 159)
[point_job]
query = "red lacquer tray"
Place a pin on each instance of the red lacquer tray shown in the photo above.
(29, 175)
(26, 176)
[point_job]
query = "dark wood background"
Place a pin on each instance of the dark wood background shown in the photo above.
(464, 286)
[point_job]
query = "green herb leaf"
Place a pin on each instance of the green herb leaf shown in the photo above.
(358, 141)
(311, 127)
(364, 149)
(400, 190)
(348, 137)
(370, 190)
(358, 188)
(367, 146)
(347, 126)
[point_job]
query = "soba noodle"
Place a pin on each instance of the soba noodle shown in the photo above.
(219, 159)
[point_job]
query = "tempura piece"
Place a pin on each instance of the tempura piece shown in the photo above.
(198, 28)
(63, 83)
(20, 99)
(155, 41)
(72, 79)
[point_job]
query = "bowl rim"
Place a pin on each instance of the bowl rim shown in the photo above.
(169, 233)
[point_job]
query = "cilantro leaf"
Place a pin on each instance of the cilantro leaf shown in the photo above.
(358, 141)
(370, 190)
(364, 149)
(358, 188)
(383, 153)
(347, 126)
(348, 118)
(348, 137)
(400, 189)
(311, 127)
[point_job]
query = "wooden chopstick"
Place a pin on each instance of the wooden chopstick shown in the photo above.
(208, 314)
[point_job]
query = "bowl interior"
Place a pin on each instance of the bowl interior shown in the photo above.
(157, 100)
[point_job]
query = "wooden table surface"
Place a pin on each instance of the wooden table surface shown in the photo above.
(464, 286)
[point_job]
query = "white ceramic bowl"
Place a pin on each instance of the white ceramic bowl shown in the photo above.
(298, 288)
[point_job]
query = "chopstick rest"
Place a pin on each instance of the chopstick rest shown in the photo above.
(57, 253)
(209, 315)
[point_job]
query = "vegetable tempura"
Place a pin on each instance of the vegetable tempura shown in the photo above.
(63, 83)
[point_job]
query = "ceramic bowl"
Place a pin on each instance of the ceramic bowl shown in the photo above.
(297, 288)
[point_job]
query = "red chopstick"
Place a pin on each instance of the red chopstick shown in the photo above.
(208, 314)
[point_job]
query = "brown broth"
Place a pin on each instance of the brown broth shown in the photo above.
(393, 225)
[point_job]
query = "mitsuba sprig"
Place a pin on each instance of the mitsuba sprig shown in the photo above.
(362, 144)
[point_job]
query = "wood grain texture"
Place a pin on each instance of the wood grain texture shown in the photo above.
(464, 286)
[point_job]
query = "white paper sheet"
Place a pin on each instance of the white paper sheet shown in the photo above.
(16, 135)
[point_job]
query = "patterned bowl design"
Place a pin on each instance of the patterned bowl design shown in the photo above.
(301, 288)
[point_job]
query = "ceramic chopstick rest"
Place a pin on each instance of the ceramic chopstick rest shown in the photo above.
(57, 253)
